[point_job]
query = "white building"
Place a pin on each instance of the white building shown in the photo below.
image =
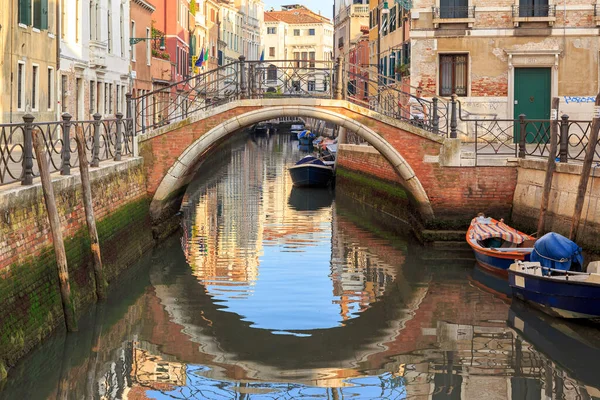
(253, 23)
(95, 58)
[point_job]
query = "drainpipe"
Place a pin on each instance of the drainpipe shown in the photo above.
(12, 28)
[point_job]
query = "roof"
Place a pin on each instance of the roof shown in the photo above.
(299, 15)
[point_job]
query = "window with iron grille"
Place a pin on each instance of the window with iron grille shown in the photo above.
(272, 73)
(271, 51)
(533, 8)
(453, 74)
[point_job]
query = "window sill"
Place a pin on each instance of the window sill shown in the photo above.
(51, 35)
(519, 20)
(23, 26)
(438, 21)
(36, 30)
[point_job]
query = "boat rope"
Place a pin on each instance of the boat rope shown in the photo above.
(551, 259)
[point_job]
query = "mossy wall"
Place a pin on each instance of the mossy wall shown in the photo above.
(29, 291)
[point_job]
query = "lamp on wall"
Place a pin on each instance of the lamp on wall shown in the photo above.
(161, 46)
(386, 8)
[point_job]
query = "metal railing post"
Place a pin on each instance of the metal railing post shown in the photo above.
(251, 81)
(522, 136)
(243, 81)
(339, 81)
(96, 144)
(453, 118)
(119, 136)
(563, 149)
(435, 121)
(65, 154)
(27, 150)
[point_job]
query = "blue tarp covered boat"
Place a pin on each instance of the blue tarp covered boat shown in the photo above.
(306, 137)
(311, 172)
(552, 281)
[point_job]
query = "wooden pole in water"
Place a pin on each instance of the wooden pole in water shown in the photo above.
(585, 170)
(89, 214)
(550, 168)
(57, 238)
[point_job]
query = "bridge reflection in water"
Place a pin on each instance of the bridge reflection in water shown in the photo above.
(370, 314)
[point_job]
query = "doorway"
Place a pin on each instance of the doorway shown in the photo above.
(533, 98)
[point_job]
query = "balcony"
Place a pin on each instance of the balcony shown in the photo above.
(453, 15)
(534, 13)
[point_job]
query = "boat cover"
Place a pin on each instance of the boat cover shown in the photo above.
(487, 228)
(556, 251)
(306, 133)
(310, 160)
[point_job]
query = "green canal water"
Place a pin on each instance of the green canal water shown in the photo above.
(270, 292)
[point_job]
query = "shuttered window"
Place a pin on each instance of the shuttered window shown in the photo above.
(454, 8)
(40, 14)
(25, 12)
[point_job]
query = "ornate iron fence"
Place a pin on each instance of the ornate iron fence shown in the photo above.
(105, 139)
(528, 137)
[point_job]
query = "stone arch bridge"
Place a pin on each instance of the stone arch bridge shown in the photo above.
(427, 165)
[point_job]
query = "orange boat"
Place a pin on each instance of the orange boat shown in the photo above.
(497, 245)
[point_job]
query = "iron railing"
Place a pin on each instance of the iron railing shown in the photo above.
(524, 137)
(105, 139)
(446, 12)
(538, 10)
(396, 99)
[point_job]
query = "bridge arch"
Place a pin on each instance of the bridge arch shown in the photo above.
(181, 172)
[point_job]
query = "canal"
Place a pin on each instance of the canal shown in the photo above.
(270, 292)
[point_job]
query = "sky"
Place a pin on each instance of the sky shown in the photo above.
(325, 6)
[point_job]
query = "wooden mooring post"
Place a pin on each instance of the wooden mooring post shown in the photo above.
(550, 168)
(585, 170)
(57, 238)
(89, 215)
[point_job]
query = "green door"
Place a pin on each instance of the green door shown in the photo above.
(532, 98)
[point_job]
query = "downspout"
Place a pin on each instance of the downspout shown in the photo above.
(12, 28)
(56, 73)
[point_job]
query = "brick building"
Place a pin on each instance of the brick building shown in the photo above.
(508, 57)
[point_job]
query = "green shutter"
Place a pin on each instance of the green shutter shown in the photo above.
(25, 12)
(44, 15)
(192, 45)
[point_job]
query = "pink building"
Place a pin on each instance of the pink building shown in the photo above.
(173, 17)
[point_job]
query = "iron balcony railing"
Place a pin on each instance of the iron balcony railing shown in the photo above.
(596, 10)
(538, 10)
(105, 139)
(447, 12)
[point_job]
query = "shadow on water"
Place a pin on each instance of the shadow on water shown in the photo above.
(277, 293)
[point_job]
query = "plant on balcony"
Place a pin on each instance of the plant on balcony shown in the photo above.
(160, 54)
(403, 69)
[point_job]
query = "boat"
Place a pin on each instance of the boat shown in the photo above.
(297, 127)
(311, 171)
(497, 245)
(261, 129)
(553, 282)
(306, 137)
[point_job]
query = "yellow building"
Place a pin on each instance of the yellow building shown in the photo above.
(29, 47)
(349, 19)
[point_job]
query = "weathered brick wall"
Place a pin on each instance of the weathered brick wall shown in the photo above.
(28, 278)
(455, 193)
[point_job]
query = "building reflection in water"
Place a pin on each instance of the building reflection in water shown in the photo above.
(401, 321)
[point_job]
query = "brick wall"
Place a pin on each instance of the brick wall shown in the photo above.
(28, 279)
(456, 193)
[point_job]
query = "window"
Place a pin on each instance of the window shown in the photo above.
(340, 42)
(63, 93)
(133, 45)
(271, 30)
(98, 101)
(110, 98)
(148, 51)
(93, 20)
(296, 32)
(311, 32)
(272, 73)
(92, 96)
(106, 96)
(311, 86)
(393, 19)
(50, 88)
(40, 14)
(297, 57)
(454, 8)
(20, 85)
(453, 74)
(533, 8)
(118, 98)
(25, 12)
(384, 24)
(304, 57)
(311, 57)
(77, 25)
(63, 19)
(271, 51)
(109, 28)
(35, 81)
(122, 31)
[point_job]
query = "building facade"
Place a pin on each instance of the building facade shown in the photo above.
(252, 27)
(141, 64)
(29, 42)
(508, 57)
(173, 17)
(349, 20)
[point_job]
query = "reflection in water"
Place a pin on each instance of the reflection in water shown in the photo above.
(274, 297)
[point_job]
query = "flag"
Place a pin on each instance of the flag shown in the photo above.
(262, 56)
(200, 59)
(206, 55)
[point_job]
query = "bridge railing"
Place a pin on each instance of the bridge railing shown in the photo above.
(105, 139)
(524, 137)
(365, 86)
